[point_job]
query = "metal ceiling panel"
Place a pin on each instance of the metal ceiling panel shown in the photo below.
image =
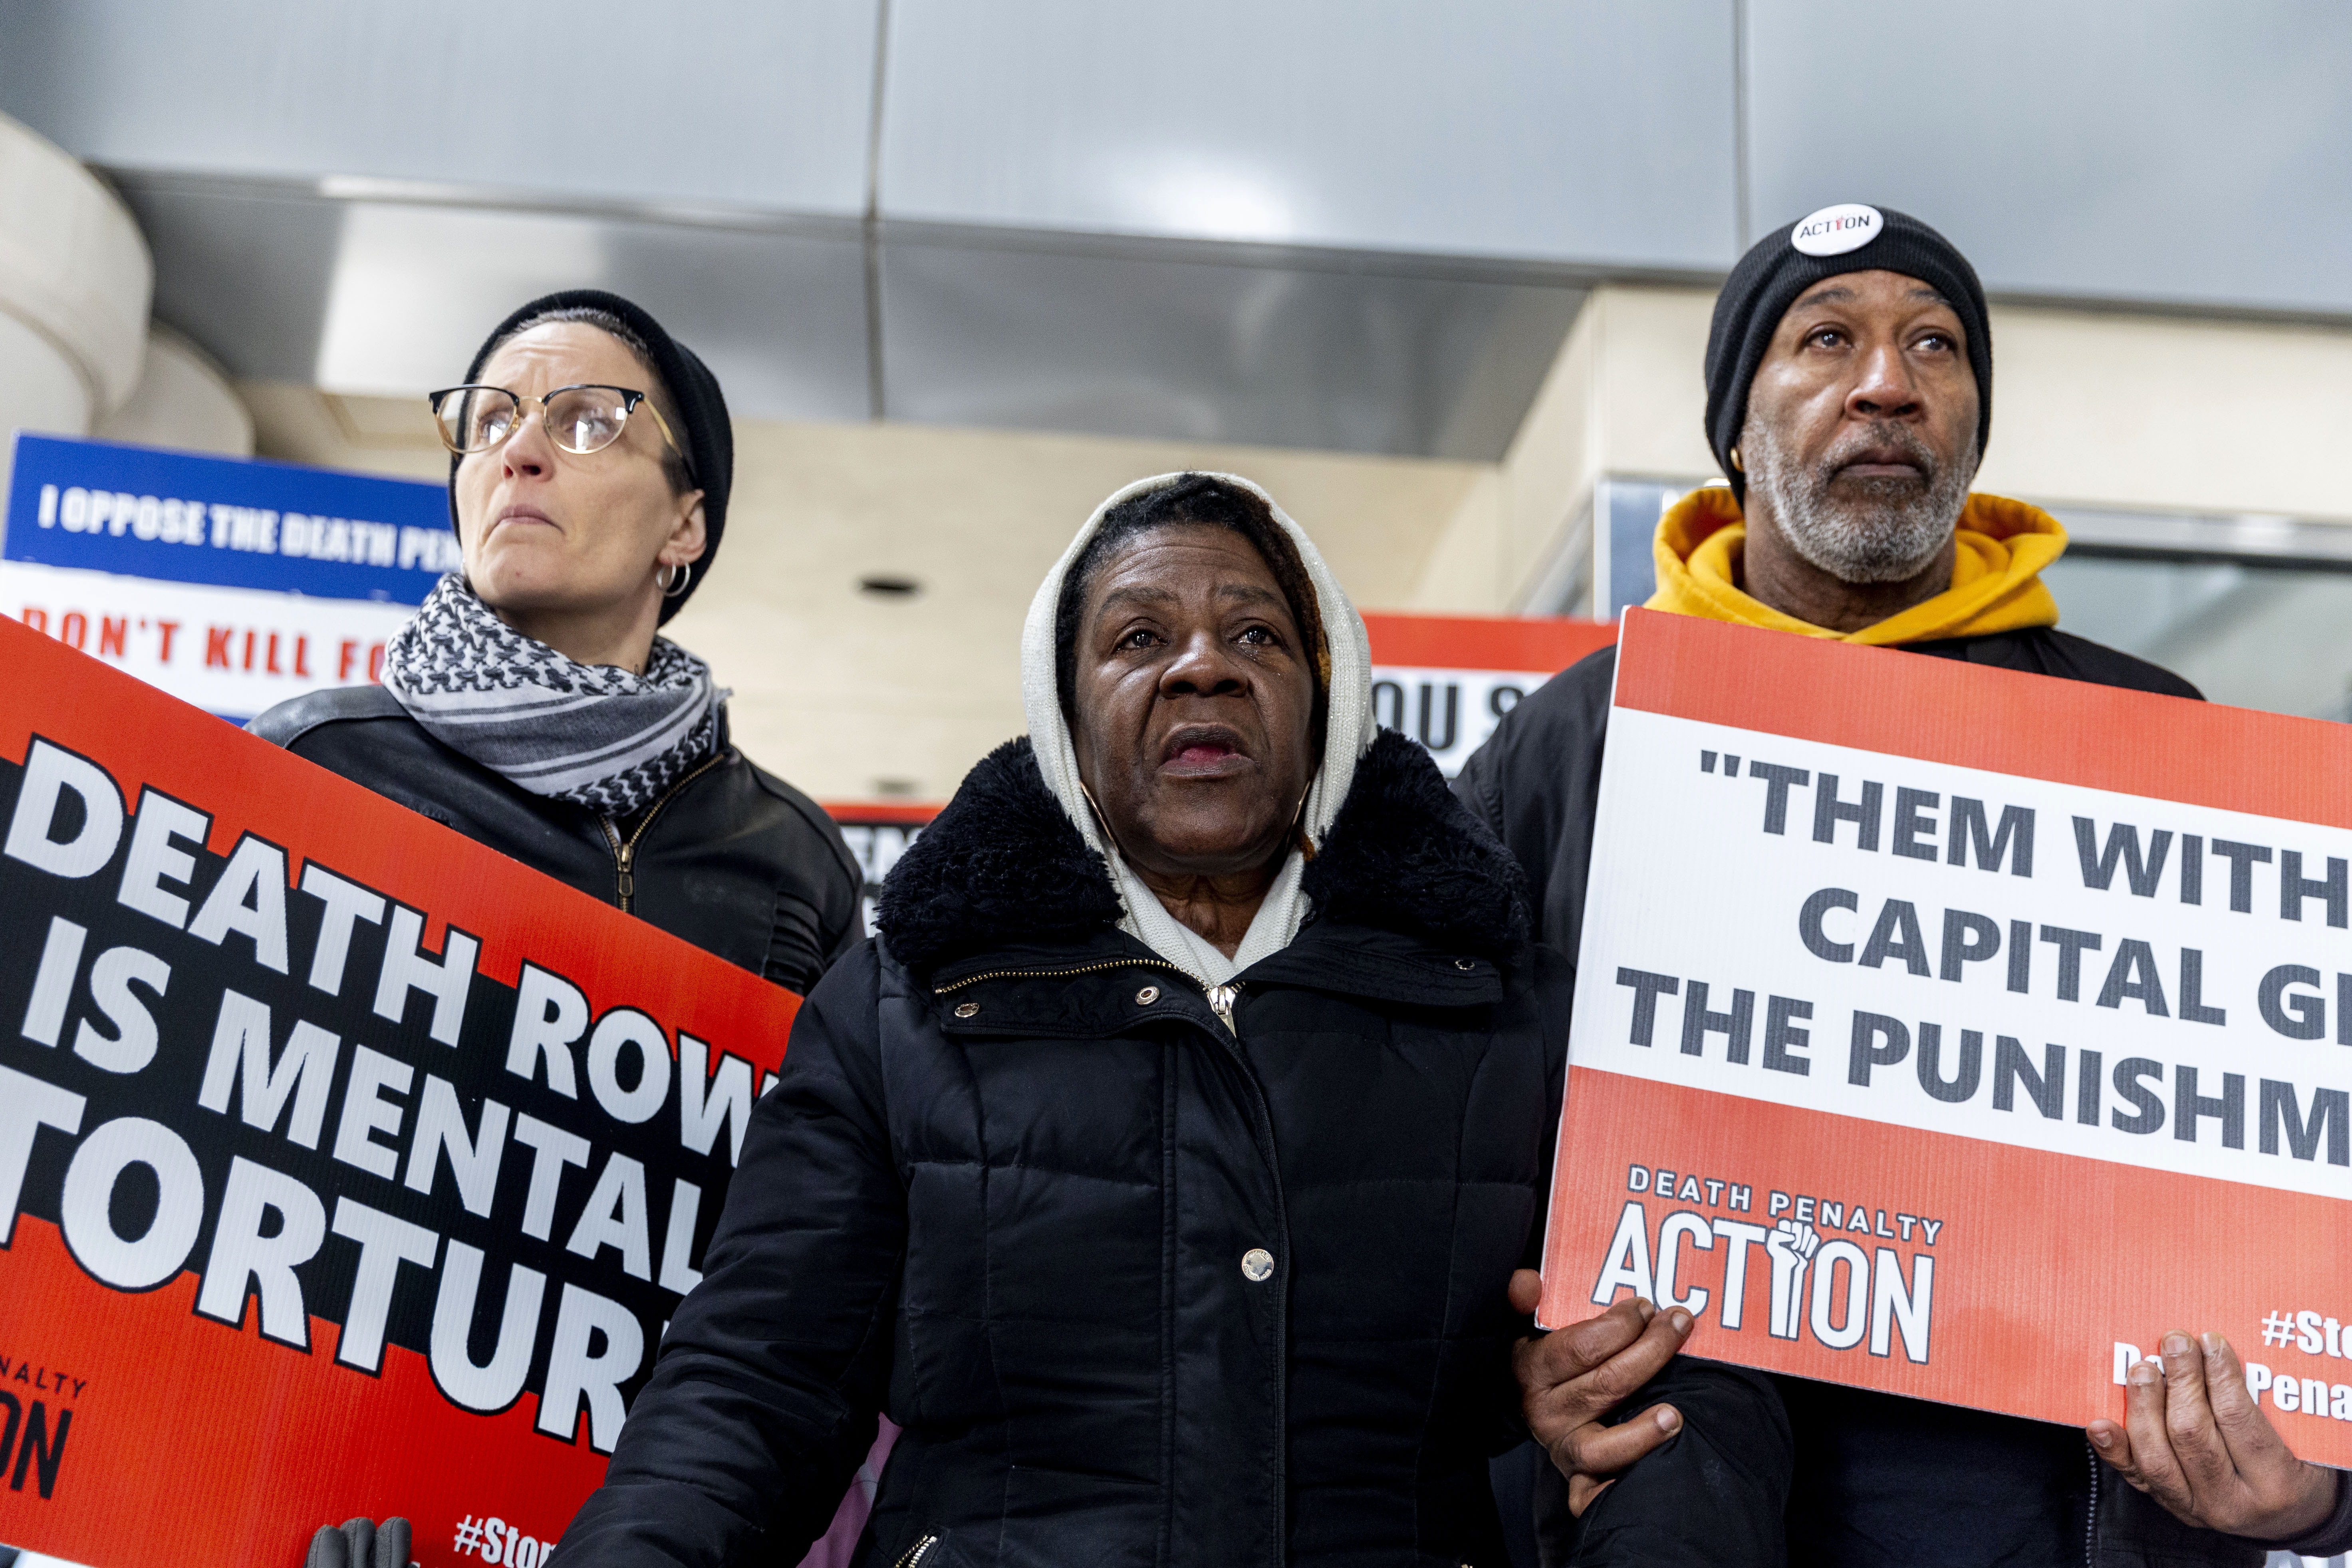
(392, 298)
(761, 102)
(243, 270)
(1577, 131)
(2173, 151)
(1203, 349)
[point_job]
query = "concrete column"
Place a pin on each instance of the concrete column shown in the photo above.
(75, 283)
(183, 401)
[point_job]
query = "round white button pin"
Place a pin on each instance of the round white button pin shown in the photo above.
(1833, 231)
(1258, 1264)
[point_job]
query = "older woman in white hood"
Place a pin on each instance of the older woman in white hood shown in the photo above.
(1164, 1168)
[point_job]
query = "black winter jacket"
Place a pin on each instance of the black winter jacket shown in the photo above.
(1878, 1480)
(1142, 1290)
(732, 859)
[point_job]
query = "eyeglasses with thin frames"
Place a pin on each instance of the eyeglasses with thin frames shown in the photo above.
(581, 419)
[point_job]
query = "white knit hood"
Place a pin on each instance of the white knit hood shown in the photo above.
(1348, 731)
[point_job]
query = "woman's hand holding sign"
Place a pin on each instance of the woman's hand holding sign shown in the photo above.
(1571, 1378)
(2194, 1438)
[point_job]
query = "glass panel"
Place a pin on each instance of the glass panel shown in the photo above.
(2278, 639)
(1629, 510)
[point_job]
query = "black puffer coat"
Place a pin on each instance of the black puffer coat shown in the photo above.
(1142, 1290)
(732, 859)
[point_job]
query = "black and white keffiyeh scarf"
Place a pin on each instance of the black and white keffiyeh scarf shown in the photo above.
(596, 735)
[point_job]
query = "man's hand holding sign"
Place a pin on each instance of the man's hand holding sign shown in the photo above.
(1578, 1376)
(2195, 1438)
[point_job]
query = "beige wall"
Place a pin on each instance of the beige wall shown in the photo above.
(851, 696)
(2176, 415)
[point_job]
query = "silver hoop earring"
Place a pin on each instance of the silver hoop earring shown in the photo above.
(672, 579)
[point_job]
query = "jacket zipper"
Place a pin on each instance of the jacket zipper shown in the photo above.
(1220, 1001)
(1066, 974)
(2091, 1517)
(1221, 997)
(625, 851)
(915, 1554)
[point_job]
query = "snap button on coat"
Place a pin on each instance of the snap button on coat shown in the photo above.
(1147, 996)
(967, 1009)
(1258, 1264)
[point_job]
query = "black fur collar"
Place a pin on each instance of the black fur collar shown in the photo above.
(1003, 865)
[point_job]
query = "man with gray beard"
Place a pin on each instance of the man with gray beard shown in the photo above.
(1877, 507)
(1849, 376)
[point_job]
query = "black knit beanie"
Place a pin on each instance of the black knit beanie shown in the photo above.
(1790, 260)
(705, 431)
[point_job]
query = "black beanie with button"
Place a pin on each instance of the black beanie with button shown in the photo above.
(1780, 268)
(704, 429)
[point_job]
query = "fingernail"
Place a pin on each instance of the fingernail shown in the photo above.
(2101, 1438)
(1646, 1310)
(2214, 1344)
(1681, 1320)
(2142, 1373)
(2176, 1344)
(1670, 1419)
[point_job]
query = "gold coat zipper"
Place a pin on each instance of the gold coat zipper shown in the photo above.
(625, 851)
(1221, 997)
(1069, 972)
(915, 1554)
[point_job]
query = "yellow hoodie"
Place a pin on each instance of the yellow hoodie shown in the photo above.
(1996, 576)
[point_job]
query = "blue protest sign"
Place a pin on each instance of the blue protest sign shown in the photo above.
(237, 522)
(234, 584)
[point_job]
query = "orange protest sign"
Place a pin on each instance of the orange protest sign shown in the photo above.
(347, 1167)
(1957, 1032)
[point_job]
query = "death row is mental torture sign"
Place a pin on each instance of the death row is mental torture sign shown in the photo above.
(1958, 1032)
(346, 1166)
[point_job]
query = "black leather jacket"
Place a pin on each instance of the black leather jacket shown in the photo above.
(732, 858)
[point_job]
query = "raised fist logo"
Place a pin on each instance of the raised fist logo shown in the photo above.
(1795, 1235)
(1790, 1246)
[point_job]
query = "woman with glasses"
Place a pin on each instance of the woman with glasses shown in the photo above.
(532, 704)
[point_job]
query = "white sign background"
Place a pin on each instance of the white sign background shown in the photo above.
(1665, 818)
(209, 663)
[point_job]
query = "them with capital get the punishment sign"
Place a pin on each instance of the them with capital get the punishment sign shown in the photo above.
(1957, 1032)
(347, 1167)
